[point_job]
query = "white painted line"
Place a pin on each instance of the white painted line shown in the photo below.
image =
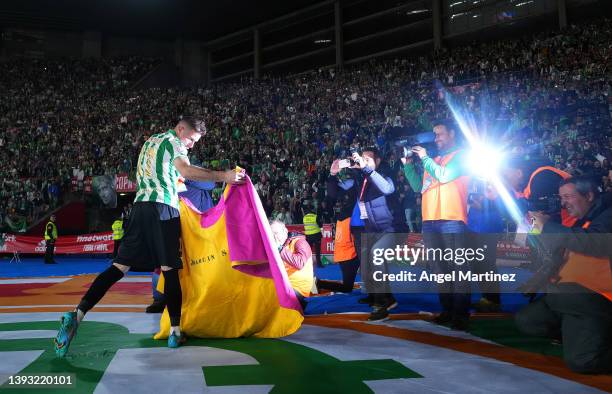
(136, 279)
(16, 281)
(32, 280)
(27, 334)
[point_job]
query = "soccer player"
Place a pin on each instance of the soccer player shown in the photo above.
(152, 235)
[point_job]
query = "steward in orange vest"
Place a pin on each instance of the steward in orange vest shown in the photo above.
(444, 185)
(577, 306)
(444, 189)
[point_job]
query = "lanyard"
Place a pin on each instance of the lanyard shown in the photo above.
(365, 181)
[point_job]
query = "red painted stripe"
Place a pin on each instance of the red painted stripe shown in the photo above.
(18, 289)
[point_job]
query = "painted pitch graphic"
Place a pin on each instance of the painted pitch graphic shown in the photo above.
(115, 352)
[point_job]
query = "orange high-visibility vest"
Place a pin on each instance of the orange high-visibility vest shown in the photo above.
(445, 201)
(566, 219)
(301, 280)
(344, 246)
(588, 271)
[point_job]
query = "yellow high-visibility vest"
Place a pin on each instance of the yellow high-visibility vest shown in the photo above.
(53, 234)
(310, 224)
(117, 229)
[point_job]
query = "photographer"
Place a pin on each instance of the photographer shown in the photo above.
(534, 185)
(577, 306)
(444, 192)
(371, 188)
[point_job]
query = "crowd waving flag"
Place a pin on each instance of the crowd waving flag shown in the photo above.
(233, 279)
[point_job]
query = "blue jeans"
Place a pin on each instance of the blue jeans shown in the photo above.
(443, 234)
(409, 212)
(444, 226)
(380, 291)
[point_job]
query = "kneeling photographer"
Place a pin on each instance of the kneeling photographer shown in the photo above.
(577, 303)
(534, 185)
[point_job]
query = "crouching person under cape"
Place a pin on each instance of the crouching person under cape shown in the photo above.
(297, 256)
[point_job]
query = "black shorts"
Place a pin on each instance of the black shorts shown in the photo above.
(152, 238)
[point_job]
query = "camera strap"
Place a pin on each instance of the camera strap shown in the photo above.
(363, 214)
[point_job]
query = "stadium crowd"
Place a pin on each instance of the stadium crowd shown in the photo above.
(547, 95)
(58, 116)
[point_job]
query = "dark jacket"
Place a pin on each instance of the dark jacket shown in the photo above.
(556, 238)
(592, 241)
(347, 198)
(378, 187)
(198, 193)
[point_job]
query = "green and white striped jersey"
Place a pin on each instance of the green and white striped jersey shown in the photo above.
(156, 176)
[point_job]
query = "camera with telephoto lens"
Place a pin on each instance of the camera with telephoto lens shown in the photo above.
(404, 145)
(550, 204)
(543, 194)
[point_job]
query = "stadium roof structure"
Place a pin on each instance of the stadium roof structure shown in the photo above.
(215, 41)
(148, 18)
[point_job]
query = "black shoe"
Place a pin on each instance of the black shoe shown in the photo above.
(443, 318)
(379, 313)
(390, 303)
(156, 307)
(460, 323)
(366, 300)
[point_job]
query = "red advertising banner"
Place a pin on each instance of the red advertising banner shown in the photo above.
(98, 243)
(123, 184)
(327, 243)
(101, 243)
